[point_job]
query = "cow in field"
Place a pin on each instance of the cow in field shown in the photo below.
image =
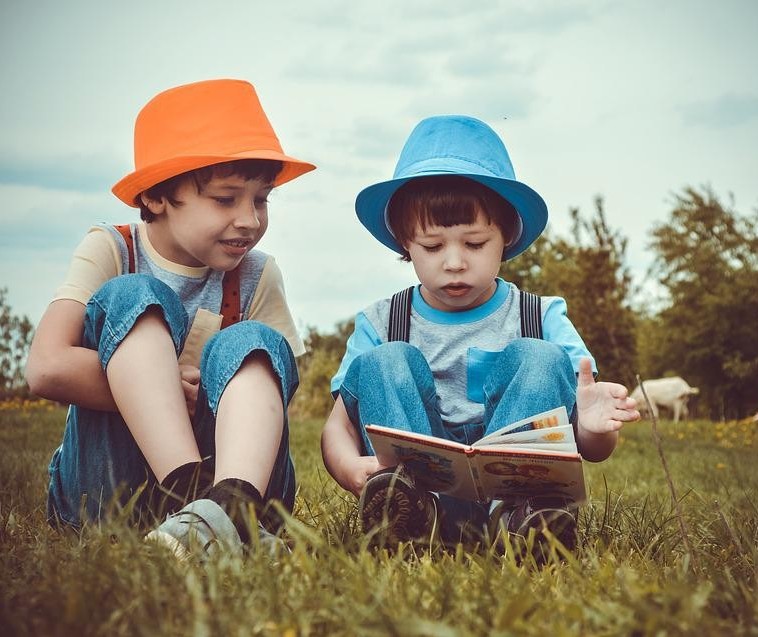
(672, 393)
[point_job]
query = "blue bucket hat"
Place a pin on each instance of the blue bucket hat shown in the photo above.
(455, 145)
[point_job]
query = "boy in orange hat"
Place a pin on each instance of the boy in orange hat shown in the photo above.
(178, 404)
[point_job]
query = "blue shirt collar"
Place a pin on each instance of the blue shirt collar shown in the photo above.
(466, 316)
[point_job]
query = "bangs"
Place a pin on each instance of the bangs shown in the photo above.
(263, 169)
(446, 201)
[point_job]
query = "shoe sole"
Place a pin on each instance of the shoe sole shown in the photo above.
(560, 523)
(391, 505)
(170, 542)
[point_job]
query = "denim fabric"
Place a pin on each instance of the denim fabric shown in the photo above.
(98, 464)
(392, 385)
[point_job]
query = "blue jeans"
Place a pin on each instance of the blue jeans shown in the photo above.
(392, 385)
(99, 465)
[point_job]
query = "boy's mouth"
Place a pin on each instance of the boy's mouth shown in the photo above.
(237, 243)
(456, 289)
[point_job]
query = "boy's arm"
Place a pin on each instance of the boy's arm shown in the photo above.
(341, 450)
(58, 368)
(603, 408)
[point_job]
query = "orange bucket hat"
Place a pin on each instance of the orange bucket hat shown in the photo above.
(201, 124)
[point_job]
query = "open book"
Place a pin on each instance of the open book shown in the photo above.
(534, 456)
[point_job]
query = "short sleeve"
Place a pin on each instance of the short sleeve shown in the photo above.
(269, 306)
(96, 260)
(557, 328)
(363, 338)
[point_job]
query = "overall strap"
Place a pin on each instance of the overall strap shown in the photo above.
(126, 231)
(531, 315)
(230, 300)
(399, 327)
(400, 315)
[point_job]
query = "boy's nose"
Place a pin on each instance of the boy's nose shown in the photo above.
(454, 260)
(248, 217)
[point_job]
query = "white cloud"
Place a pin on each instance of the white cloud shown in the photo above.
(723, 111)
(617, 99)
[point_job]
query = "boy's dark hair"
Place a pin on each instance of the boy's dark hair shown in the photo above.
(264, 169)
(443, 200)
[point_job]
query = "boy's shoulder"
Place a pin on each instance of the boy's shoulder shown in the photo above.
(377, 314)
(128, 247)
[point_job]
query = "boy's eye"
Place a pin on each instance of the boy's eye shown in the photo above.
(261, 201)
(476, 245)
(224, 201)
(431, 248)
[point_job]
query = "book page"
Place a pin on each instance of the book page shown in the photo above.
(563, 434)
(546, 420)
(549, 447)
(504, 474)
(436, 464)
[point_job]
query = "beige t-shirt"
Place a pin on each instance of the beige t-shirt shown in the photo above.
(99, 258)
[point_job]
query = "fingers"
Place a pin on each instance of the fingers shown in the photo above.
(626, 415)
(367, 465)
(622, 416)
(585, 377)
(625, 403)
(619, 391)
(190, 390)
(190, 374)
(614, 425)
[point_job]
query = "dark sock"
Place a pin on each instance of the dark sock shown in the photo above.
(235, 496)
(182, 485)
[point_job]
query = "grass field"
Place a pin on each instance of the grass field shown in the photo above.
(640, 569)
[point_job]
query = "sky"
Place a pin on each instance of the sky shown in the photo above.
(630, 101)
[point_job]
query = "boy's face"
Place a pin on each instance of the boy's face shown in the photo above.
(215, 227)
(457, 265)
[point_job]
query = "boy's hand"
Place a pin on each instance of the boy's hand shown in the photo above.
(190, 385)
(602, 407)
(356, 473)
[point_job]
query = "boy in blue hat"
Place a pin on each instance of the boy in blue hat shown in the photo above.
(464, 352)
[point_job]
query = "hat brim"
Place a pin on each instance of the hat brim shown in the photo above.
(371, 205)
(128, 188)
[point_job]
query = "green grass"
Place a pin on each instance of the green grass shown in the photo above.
(632, 575)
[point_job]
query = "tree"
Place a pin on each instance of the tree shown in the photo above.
(707, 260)
(15, 339)
(526, 270)
(589, 271)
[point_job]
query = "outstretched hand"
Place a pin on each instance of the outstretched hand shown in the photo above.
(602, 407)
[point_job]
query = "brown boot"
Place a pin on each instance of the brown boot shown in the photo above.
(395, 509)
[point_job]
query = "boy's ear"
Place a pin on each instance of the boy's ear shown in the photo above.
(156, 206)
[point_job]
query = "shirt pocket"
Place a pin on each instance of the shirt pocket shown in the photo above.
(479, 363)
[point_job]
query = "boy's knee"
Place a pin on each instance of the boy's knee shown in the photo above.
(536, 352)
(394, 355)
(226, 352)
(128, 285)
(139, 290)
(243, 339)
(533, 362)
(115, 308)
(395, 364)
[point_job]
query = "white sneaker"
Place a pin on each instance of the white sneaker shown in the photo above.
(202, 528)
